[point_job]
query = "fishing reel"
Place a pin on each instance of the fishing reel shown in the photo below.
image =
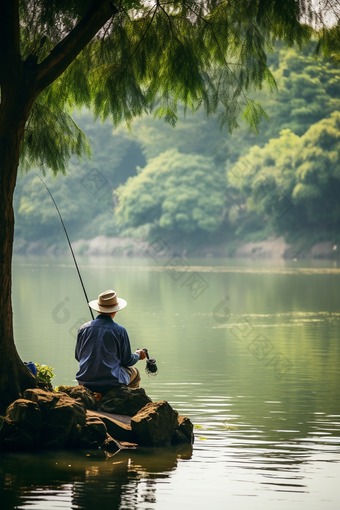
(151, 367)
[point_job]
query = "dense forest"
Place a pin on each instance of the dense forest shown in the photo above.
(195, 184)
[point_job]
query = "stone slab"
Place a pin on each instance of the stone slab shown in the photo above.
(118, 425)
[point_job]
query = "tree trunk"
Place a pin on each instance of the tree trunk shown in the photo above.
(20, 84)
(14, 375)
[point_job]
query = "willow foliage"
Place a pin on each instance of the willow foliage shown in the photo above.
(150, 57)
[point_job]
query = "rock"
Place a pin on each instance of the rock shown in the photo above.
(178, 438)
(85, 395)
(124, 400)
(184, 432)
(26, 415)
(92, 434)
(16, 438)
(22, 425)
(60, 422)
(3, 427)
(45, 386)
(44, 399)
(155, 424)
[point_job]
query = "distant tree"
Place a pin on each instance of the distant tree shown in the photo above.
(182, 193)
(36, 219)
(121, 59)
(317, 181)
(303, 170)
(307, 92)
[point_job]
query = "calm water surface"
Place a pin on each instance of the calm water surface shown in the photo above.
(248, 350)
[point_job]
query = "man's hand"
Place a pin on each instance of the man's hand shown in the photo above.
(141, 353)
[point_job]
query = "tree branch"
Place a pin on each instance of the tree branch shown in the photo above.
(69, 48)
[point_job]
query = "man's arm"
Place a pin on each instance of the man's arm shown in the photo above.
(80, 340)
(128, 358)
(76, 355)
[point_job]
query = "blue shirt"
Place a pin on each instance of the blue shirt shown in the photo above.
(103, 349)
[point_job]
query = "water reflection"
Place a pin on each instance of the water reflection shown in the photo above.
(232, 460)
(86, 480)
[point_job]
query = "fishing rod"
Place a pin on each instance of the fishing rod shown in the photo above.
(69, 243)
(151, 367)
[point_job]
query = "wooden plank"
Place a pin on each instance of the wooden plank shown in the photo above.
(121, 418)
(118, 426)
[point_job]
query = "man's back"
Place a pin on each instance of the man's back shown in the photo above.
(102, 350)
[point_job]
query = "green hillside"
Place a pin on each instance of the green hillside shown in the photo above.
(195, 184)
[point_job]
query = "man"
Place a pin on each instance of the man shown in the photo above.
(103, 348)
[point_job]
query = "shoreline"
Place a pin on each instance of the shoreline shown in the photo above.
(271, 248)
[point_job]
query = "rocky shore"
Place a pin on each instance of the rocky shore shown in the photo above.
(103, 246)
(72, 418)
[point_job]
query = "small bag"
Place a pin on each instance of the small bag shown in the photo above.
(31, 366)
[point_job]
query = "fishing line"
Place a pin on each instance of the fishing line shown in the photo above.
(69, 243)
(151, 367)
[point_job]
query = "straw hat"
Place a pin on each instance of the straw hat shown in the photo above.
(108, 302)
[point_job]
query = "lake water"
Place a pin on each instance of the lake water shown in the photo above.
(248, 350)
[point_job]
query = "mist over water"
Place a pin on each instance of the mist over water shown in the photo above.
(250, 354)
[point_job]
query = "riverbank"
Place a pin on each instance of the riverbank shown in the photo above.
(271, 248)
